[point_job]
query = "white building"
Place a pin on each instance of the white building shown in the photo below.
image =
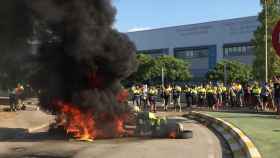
(204, 44)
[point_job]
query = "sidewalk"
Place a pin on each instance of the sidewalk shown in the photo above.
(12, 124)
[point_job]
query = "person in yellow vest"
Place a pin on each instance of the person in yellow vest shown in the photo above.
(137, 95)
(239, 94)
(210, 96)
(232, 95)
(177, 97)
(153, 92)
(188, 95)
(256, 94)
(167, 90)
(144, 97)
(219, 93)
(194, 95)
(201, 95)
(224, 95)
(133, 90)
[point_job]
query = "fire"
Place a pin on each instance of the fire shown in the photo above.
(84, 126)
(172, 135)
(80, 125)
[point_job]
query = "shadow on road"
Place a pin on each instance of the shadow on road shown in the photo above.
(22, 135)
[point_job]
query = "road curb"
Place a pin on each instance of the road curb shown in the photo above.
(240, 144)
(34, 129)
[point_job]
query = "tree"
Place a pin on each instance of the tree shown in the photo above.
(144, 73)
(150, 69)
(174, 69)
(273, 16)
(235, 71)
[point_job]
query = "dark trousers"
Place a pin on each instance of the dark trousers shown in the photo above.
(210, 100)
(194, 99)
(188, 100)
(166, 101)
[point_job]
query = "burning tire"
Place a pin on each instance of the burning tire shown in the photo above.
(186, 135)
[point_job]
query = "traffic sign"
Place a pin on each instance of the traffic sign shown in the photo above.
(276, 38)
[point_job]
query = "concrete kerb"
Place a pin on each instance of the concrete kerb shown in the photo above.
(240, 144)
(37, 128)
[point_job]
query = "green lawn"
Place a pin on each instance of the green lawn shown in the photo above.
(264, 130)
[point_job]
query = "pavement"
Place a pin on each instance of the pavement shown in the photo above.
(15, 142)
(13, 124)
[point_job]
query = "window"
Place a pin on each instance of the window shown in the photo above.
(155, 52)
(243, 50)
(191, 53)
(226, 51)
(238, 50)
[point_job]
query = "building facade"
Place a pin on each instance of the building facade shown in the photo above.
(202, 45)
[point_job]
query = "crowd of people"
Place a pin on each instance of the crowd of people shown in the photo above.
(251, 95)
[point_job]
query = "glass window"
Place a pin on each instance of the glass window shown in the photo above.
(249, 49)
(180, 55)
(191, 53)
(226, 51)
(243, 50)
(239, 49)
(203, 53)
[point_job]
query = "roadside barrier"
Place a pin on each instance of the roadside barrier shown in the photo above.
(240, 144)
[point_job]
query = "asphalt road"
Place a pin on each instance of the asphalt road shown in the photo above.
(204, 144)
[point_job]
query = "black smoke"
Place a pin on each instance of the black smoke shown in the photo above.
(15, 29)
(81, 59)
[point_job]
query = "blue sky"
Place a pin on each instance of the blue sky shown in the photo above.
(147, 14)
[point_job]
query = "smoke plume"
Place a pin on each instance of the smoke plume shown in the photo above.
(81, 59)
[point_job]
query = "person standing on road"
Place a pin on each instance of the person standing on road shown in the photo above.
(153, 92)
(239, 94)
(188, 95)
(167, 90)
(177, 97)
(210, 97)
(247, 95)
(202, 96)
(137, 95)
(13, 100)
(144, 97)
(225, 96)
(20, 96)
(265, 95)
(256, 94)
(133, 90)
(232, 95)
(194, 95)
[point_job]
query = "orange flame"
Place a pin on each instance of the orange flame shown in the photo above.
(84, 126)
(172, 135)
(80, 125)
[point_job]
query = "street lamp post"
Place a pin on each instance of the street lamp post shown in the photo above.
(162, 76)
(225, 74)
(266, 43)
